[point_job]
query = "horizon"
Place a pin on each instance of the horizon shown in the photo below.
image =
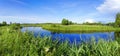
(52, 11)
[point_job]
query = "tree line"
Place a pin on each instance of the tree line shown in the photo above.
(66, 22)
(13, 26)
(115, 24)
(3, 23)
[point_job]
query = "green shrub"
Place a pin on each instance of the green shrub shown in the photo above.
(117, 22)
(25, 44)
(4, 23)
(0, 24)
(66, 22)
(15, 26)
(53, 25)
(95, 23)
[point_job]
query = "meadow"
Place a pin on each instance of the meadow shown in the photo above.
(16, 43)
(75, 28)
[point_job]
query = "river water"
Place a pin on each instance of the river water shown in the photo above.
(71, 37)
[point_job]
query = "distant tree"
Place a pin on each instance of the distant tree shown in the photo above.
(65, 22)
(99, 23)
(10, 23)
(95, 23)
(4, 23)
(70, 22)
(117, 22)
(0, 24)
(86, 23)
(110, 24)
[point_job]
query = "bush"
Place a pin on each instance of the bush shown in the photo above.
(110, 24)
(66, 22)
(15, 26)
(0, 24)
(53, 25)
(4, 23)
(95, 23)
(24, 44)
(117, 22)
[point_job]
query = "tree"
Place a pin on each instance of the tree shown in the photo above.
(0, 24)
(70, 22)
(95, 23)
(110, 24)
(117, 22)
(4, 23)
(64, 22)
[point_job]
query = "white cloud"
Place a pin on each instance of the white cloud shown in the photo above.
(109, 6)
(21, 19)
(28, 19)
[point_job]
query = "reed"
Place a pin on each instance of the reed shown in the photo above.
(15, 43)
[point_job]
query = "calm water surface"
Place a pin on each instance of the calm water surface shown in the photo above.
(71, 37)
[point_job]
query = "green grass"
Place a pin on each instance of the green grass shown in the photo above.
(75, 28)
(15, 43)
(80, 28)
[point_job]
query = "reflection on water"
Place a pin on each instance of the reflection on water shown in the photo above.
(71, 37)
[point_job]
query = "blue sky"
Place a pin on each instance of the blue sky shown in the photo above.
(53, 11)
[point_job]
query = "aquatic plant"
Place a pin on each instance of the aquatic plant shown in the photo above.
(16, 43)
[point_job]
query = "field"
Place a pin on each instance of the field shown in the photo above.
(15, 43)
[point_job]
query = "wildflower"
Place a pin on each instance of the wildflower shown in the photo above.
(46, 49)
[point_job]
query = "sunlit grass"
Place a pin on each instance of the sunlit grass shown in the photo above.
(75, 28)
(79, 28)
(15, 43)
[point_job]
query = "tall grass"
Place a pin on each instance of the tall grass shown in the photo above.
(74, 28)
(15, 43)
(79, 28)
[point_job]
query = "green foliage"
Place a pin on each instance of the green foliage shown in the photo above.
(117, 22)
(79, 28)
(53, 25)
(25, 44)
(95, 23)
(15, 26)
(66, 22)
(0, 24)
(110, 24)
(4, 23)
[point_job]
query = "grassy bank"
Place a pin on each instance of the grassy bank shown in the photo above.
(15, 43)
(75, 28)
